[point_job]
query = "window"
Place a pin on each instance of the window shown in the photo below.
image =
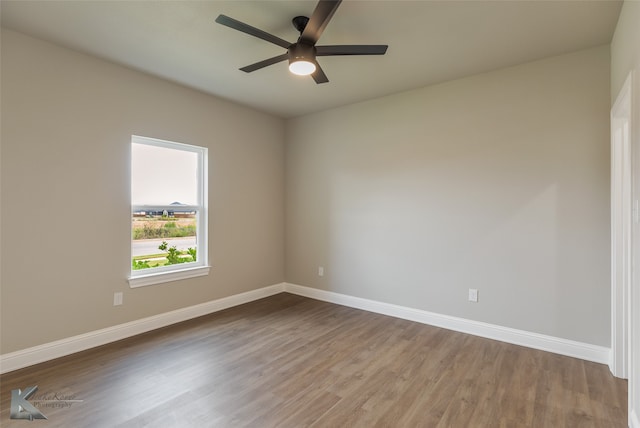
(168, 211)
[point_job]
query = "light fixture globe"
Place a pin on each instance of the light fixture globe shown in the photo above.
(302, 67)
(302, 59)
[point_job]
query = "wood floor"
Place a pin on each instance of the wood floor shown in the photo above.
(288, 361)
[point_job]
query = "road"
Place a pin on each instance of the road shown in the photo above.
(150, 246)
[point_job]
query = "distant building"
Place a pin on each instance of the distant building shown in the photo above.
(175, 213)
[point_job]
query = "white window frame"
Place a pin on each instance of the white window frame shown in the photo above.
(144, 277)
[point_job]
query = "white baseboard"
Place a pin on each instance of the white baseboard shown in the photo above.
(634, 420)
(60, 348)
(585, 351)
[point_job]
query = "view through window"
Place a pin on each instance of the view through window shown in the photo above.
(168, 206)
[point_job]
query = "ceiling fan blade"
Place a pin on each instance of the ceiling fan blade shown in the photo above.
(319, 75)
(265, 63)
(248, 29)
(351, 50)
(319, 20)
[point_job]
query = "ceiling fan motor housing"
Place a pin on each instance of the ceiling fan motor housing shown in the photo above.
(302, 52)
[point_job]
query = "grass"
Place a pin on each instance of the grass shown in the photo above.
(161, 259)
(150, 228)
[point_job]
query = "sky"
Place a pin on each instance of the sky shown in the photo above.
(160, 176)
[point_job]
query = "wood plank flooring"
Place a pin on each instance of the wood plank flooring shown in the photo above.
(289, 361)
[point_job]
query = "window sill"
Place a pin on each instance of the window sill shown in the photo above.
(161, 277)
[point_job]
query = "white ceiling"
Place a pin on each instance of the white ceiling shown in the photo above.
(429, 42)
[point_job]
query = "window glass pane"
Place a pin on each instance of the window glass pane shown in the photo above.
(163, 176)
(163, 238)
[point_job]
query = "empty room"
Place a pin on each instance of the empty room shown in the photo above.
(320, 213)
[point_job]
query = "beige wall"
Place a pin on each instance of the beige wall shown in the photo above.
(67, 120)
(498, 182)
(625, 46)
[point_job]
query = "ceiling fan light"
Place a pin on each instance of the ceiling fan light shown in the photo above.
(302, 67)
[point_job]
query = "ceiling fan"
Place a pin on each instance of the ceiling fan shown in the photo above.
(302, 54)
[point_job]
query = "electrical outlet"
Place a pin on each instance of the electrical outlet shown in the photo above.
(473, 295)
(117, 298)
(320, 271)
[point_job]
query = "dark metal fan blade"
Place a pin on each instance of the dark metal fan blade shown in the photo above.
(319, 75)
(351, 50)
(319, 20)
(265, 63)
(248, 29)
